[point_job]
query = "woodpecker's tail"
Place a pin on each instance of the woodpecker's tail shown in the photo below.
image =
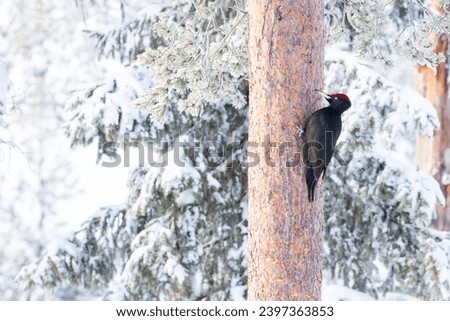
(311, 183)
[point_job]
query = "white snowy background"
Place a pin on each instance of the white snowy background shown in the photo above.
(47, 188)
(74, 229)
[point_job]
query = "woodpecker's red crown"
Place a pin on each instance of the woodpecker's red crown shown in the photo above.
(341, 96)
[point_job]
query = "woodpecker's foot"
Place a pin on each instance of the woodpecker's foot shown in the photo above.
(300, 130)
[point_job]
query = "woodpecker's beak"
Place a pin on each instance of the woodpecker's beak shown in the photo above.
(327, 97)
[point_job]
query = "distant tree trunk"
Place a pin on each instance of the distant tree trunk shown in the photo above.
(434, 153)
(286, 48)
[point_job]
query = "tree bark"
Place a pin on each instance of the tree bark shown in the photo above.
(433, 153)
(286, 49)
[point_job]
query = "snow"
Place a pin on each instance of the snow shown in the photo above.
(445, 179)
(237, 293)
(178, 167)
(3, 85)
(342, 293)
(175, 269)
(186, 197)
(100, 186)
(212, 181)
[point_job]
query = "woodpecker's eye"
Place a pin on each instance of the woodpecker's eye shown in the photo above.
(335, 98)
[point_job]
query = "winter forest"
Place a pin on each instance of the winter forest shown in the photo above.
(123, 161)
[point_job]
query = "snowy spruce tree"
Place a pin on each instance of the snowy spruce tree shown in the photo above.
(177, 89)
(182, 233)
(377, 228)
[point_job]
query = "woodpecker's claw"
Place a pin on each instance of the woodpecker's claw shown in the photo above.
(300, 130)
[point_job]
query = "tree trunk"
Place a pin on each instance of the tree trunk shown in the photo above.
(286, 45)
(434, 153)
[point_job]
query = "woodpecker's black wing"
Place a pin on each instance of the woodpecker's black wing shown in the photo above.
(322, 131)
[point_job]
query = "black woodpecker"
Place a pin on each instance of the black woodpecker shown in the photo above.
(321, 133)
